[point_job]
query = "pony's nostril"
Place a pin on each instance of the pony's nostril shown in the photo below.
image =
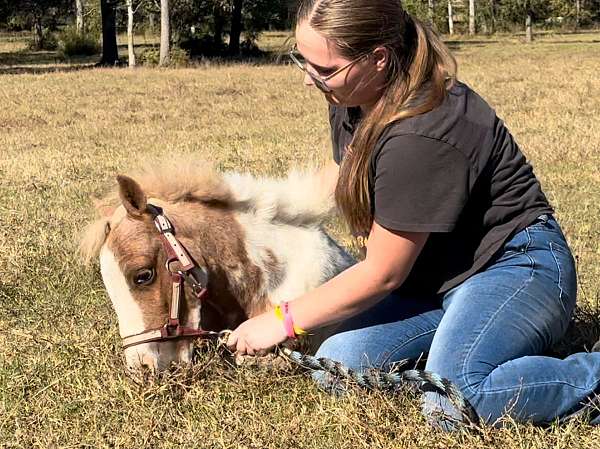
(145, 367)
(141, 363)
(148, 363)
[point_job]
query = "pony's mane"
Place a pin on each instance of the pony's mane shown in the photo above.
(297, 199)
(176, 180)
(172, 180)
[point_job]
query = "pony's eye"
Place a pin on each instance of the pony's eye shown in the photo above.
(144, 277)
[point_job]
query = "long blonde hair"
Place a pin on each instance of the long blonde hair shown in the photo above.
(419, 73)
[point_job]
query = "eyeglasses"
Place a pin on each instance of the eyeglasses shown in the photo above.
(320, 81)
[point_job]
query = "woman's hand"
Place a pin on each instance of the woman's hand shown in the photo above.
(257, 334)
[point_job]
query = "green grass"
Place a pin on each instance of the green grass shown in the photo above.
(65, 135)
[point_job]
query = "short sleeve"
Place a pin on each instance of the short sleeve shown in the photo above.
(420, 184)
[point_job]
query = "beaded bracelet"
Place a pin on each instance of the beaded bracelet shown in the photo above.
(283, 313)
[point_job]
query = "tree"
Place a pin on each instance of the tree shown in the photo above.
(471, 17)
(165, 33)
(201, 26)
(515, 11)
(110, 53)
(492, 16)
(130, 52)
(38, 15)
(236, 27)
(431, 11)
(219, 25)
(450, 18)
(528, 28)
(79, 17)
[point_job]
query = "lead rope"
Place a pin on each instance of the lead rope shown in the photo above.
(374, 379)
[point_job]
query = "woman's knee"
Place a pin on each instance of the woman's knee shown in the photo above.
(347, 348)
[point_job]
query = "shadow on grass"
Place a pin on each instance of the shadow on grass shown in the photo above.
(592, 41)
(39, 62)
(461, 44)
(44, 69)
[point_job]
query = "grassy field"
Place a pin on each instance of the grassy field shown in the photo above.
(65, 134)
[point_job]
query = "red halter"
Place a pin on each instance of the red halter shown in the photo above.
(190, 272)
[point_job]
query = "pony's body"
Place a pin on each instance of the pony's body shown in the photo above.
(258, 239)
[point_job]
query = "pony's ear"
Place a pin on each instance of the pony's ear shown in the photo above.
(132, 196)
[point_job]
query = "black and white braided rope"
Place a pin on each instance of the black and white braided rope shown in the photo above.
(374, 379)
(378, 380)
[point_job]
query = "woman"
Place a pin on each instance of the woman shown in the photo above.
(463, 259)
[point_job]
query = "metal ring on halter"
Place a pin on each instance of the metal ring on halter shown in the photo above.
(168, 265)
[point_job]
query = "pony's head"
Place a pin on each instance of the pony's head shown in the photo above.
(257, 241)
(133, 263)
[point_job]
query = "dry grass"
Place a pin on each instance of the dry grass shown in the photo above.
(66, 134)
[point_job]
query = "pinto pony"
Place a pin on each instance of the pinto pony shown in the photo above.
(256, 242)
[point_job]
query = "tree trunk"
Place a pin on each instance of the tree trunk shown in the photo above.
(431, 11)
(450, 18)
(110, 53)
(236, 28)
(130, 52)
(165, 33)
(39, 33)
(492, 27)
(577, 13)
(472, 17)
(151, 23)
(528, 29)
(219, 20)
(79, 15)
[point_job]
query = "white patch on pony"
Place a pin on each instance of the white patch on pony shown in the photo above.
(299, 198)
(131, 320)
(129, 313)
(307, 255)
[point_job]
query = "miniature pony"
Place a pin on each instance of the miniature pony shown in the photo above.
(259, 241)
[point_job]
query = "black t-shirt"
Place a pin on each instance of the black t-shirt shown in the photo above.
(455, 172)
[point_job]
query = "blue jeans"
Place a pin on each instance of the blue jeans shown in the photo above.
(486, 335)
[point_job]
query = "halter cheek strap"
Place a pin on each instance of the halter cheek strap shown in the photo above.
(196, 276)
(190, 272)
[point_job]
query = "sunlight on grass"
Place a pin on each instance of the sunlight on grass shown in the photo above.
(65, 136)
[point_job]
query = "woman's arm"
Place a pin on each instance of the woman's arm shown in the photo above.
(390, 257)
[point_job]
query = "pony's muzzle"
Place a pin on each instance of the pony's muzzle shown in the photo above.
(157, 357)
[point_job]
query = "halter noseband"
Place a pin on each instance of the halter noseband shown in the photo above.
(190, 272)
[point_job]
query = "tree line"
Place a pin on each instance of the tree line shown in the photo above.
(230, 27)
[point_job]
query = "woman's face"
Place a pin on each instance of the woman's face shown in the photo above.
(360, 84)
